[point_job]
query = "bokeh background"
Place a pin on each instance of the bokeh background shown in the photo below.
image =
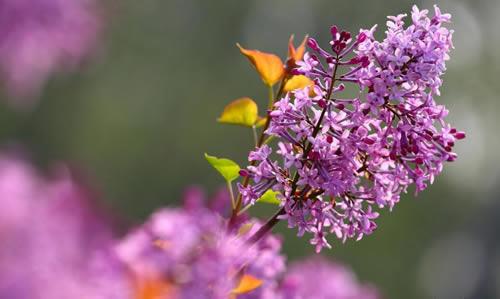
(138, 117)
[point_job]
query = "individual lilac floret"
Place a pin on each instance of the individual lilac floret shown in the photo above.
(190, 251)
(39, 37)
(322, 279)
(341, 157)
(54, 245)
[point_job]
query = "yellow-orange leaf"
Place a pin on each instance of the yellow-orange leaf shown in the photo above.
(153, 289)
(247, 284)
(297, 82)
(261, 121)
(243, 112)
(296, 54)
(269, 66)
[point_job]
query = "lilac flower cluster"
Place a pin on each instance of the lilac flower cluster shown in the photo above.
(39, 37)
(341, 155)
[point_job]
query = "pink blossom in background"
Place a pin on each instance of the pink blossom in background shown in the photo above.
(184, 253)
(54, 245)
(40, 37)
(320, 278)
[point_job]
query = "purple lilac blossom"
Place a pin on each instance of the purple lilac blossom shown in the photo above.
(322, 279)
(39, 37)
(54, 245)
(190, 250)
(341, 157)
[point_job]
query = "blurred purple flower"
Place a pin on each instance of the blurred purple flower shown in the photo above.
(320, 278)
(188, 253)
(54, 246)
(39, 37)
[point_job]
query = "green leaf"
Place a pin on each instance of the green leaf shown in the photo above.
(227, 168)
(270, 196)
(243, 112)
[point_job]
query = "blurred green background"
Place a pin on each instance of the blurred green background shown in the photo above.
(139, 117)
